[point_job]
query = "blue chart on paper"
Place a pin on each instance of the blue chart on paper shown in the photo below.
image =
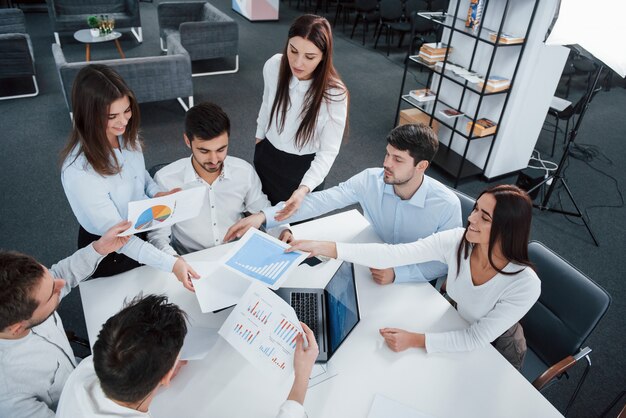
(262, 259)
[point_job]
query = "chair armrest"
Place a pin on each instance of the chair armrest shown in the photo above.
(174, 47)
(213, 14)
(554, 371)
(60, 62)
(209, 31)
(12, 21)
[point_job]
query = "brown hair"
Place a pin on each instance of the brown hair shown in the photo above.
(510, 227)
(95, 87)
(19, 275)
(315, 29)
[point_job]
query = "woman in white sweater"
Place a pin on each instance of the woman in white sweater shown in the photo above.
(303, 115)
(103, 169)
(489, 275)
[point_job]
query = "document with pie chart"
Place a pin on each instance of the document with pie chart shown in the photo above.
(159, 212)
(259, 257)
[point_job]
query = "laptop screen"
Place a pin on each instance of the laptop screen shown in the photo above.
(342, 306)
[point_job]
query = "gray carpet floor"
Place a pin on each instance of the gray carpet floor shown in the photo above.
(35, 217)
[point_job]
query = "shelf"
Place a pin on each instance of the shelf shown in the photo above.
(428, 108)
(450, 162)
(449, 75)
(458, 25)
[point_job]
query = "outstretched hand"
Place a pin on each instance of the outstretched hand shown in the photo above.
(314, 248)
(161, 194)
(241, 227)
(110, 241)
(184, 273)
(399, 339)
(292, 204)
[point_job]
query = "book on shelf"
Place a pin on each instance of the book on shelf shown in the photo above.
(474, 14)
(505, 38)
(450, 113)
(431, 59)
(483, 127)
(495, 83)
(422, 95)
(435, 48)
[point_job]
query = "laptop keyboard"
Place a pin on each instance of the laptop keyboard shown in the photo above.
(305, 305)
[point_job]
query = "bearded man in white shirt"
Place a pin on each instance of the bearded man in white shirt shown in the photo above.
(35, 355)
(233, 187)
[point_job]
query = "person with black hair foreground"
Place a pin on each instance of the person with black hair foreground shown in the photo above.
(35, 355)
(401, 202)
(490, 276)
(137, 352)
(232, 186)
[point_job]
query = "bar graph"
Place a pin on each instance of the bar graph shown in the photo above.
(278, 363)
(260, 310)
(268, 350)
(286, 332)
(271, 271)
(247, 334)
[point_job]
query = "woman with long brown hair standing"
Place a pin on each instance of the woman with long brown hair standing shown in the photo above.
(303, 116)
(489, 275)
(103, 169)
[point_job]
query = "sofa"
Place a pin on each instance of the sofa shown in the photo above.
(16, 51)
(150, 78)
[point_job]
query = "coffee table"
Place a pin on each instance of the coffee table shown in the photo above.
(84, 36)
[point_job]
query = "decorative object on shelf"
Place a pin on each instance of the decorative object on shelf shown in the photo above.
(415, 115)
(505, 38)
(483, 127)
(94, 24)
(423, 95)
(474, 14)
(495, 84)
(451, 113)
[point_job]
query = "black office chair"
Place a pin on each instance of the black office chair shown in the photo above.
(414, 24)
(390, 12)
(556, 327)
(467, 204)
(153, 170)
(366, 12)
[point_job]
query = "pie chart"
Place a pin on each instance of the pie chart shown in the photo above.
(150, 216)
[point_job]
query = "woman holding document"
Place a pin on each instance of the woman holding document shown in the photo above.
(103, 170)
(489, 274)
(303, 115)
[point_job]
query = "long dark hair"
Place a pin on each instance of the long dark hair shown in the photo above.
(315, 29)
(510, 225)
(95, 87)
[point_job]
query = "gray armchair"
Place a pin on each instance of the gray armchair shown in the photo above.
(71, 15)
(16, 51)
(204, 31)
(150, 78)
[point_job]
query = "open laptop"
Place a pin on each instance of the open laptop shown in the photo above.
(331, 313)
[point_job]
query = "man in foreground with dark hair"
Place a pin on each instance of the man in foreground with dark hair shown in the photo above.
(233, 187)
(399, 200)
(35, 354)
(137, 352)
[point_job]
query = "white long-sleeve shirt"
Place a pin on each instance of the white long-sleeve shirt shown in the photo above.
(489, 309)
(331, 122)
(33, 369)
(83, 397)
(235, 191)
(99, 202)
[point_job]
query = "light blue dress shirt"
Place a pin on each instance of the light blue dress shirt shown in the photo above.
(99, 202)
(431, 209)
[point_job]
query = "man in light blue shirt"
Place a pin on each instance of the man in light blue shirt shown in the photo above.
(399, 200)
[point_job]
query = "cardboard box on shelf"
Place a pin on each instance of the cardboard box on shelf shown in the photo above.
(417, 116)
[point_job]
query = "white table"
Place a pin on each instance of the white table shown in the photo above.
(475, 384)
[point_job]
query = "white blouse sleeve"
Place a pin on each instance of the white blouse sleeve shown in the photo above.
(269, 76)
(291, 409)
(437, 247)
(514, 303)
(329, 139)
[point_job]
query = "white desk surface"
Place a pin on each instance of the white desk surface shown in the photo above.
(475, 384)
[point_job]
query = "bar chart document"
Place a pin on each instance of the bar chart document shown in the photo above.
(259, 257)
(263, 328)
(158, 212)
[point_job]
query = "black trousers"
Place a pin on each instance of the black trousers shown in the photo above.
(112, 264)
(279, 171)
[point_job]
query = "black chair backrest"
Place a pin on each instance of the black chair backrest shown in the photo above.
(569, 307)
(390, 10)
(467, 205)
(439, 5)
(366, 4)
(414, 6)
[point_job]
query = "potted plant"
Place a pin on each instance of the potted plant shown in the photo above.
(94, 23)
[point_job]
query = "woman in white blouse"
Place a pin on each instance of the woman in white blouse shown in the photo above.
(103, 169)
(489, 275)
(303, 115)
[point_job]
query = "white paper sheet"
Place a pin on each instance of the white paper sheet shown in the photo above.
(217, 287)
(198, 342)
(158, 212)
(263, 328)
(261, 258)
(383, 407)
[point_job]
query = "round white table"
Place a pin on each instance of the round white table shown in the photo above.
(84, 36)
